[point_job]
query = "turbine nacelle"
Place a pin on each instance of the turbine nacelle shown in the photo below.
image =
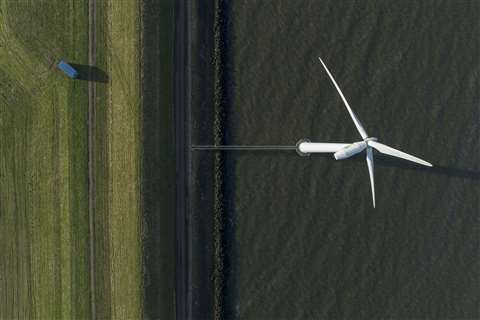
(353, 149)
(350, 150)
(370, 139)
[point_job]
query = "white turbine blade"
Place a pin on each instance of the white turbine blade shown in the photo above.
(359, 126)
(370, 172)
(397, 153)
(320, 147)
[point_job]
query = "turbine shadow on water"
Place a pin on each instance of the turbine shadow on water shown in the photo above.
(436, 169)
(383, 161)
(386, 161)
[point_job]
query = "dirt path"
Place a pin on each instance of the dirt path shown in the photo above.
(91, 150)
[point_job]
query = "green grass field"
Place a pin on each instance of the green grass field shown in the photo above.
(44, 266)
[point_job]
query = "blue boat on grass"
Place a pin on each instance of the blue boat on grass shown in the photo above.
(67, 69)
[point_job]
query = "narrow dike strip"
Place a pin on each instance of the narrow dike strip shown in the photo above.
(91, 150)
(220, 100)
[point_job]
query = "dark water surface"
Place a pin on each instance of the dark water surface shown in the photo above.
(299, 237)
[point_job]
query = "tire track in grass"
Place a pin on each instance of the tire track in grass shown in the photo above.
(91, 150)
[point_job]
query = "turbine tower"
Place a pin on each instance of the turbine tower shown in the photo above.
(340, 150)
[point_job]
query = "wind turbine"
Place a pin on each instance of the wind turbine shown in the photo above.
(346, 150)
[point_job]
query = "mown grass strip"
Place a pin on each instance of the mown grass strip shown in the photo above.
(124, 166)
(118, 205)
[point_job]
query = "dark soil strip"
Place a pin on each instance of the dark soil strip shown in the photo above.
(180, 59)
(158, 159)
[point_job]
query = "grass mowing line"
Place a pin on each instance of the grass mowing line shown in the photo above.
(102, 158)
(17, 61)
(92, 5)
